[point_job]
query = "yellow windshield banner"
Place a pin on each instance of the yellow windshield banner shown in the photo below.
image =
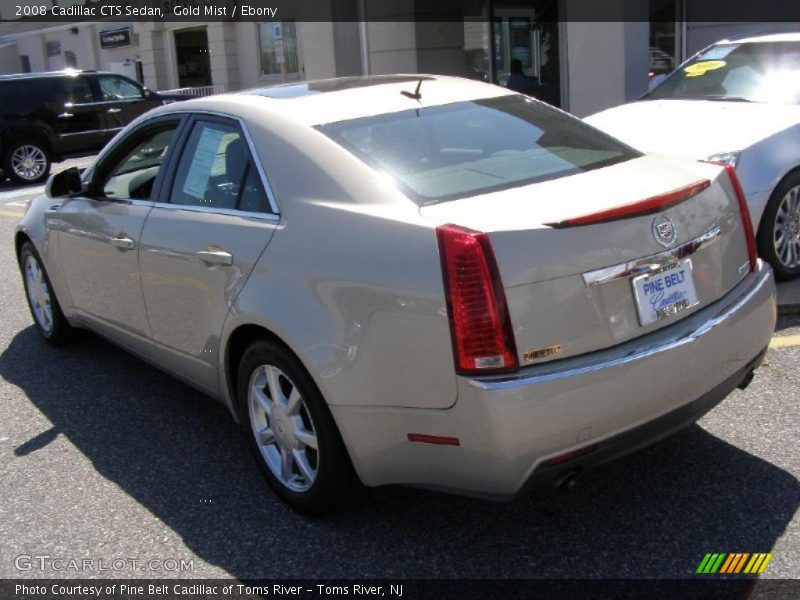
(701, 68)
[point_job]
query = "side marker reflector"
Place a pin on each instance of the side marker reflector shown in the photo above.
(570, 455)
(433, 439)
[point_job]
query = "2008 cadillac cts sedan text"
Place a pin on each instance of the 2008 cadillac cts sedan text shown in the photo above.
(408, 279)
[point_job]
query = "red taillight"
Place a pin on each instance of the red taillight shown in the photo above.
(648, 206)
(747, 224)
(476, 303)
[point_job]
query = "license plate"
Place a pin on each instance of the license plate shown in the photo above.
(664, 294)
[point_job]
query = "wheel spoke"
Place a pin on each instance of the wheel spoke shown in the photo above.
(266, 436)
(293, 402)
(47, 321)
(307, 438)
(274, 385)
(262, 399)
(286, 465)
(305, 468)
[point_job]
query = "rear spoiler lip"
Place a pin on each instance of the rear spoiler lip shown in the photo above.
(639, 208)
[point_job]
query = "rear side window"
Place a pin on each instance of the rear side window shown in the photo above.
(469, 148)
(216, 171)
(24, 96)
(72, 90)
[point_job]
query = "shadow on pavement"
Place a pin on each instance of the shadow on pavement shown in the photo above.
(653, 514)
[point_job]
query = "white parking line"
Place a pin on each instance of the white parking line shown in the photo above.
(33, 191)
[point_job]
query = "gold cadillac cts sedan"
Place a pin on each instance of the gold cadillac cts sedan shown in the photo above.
(408, 279)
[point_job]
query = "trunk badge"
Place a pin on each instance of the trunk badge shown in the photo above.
(664, 231)
(539, 353)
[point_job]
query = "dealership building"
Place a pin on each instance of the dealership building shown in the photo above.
(582, 67)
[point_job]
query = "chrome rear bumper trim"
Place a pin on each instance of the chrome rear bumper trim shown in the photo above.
(655, 262)
(542, 375)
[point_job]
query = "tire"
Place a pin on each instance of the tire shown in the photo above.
(779, 231)
(50, 322)
(283, 416)
(27, 162)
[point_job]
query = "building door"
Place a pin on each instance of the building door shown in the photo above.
(525, 47)
(191, 50)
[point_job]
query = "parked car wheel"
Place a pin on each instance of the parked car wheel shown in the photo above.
(27, 161)
(46, 312)
(291, 432)
(779, 233)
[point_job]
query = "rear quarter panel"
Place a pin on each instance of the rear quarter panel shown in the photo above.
(351, 280)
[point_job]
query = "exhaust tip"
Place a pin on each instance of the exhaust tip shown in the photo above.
(569, 481)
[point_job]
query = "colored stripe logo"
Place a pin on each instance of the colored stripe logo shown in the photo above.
(734, 563)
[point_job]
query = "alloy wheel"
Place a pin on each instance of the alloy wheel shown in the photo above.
(28, 162)
(38, 294)
(283, 429)
(786, 233)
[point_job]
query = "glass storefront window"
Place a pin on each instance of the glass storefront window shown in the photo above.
(520, 52)
(278, 48)
(664, 38)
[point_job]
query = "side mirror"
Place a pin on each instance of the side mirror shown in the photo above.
(64, 183)
(147, 93)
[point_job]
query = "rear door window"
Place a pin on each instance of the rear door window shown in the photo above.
(72, 90)
(216, 171)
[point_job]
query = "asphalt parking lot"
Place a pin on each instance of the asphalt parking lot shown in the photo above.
(103, 457)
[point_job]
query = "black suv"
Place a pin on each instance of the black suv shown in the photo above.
(46, 116)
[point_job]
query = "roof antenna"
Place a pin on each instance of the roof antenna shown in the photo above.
(415, 95)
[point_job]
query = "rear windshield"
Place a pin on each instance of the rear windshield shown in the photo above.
(458, 150)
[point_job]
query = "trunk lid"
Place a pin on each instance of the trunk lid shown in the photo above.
(570, 290)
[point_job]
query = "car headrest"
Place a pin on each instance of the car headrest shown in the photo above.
(235, 160)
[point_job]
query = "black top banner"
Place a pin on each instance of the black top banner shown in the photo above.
(70, 11)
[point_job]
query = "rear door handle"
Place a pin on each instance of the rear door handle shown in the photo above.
(216, 257)
(66, 115)
(123, 243)
(114, 110)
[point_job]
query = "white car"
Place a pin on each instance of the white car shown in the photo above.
(736, 102)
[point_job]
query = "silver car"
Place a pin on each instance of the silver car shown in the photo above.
(736, 102)
(415, 279)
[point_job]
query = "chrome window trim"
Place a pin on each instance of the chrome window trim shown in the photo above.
(88, 131)
(102, 102)
(220, 211)
(181, 112)
(654, 262)
(549, 373)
